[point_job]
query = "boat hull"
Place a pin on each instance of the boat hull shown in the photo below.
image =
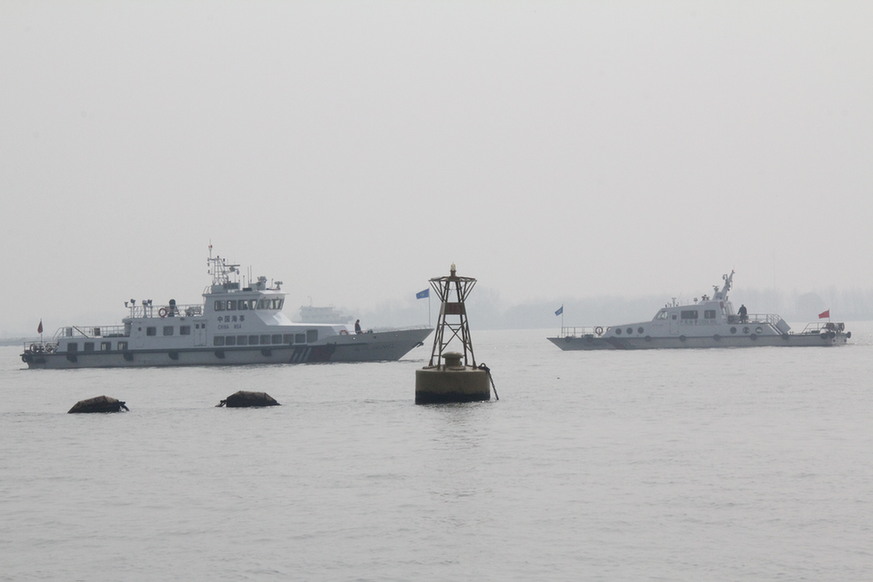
(370, 347)
(746, 341)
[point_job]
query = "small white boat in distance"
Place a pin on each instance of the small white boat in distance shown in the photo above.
(235, 324)
(708, 323)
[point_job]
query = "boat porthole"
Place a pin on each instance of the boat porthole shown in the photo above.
(682, 338)
(753, 337)
(759, 329)
(618, 331)
(640, 330)
(745, 330)
(630, 330)
(733, 330)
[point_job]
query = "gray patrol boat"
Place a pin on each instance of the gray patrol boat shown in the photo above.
(710, 322)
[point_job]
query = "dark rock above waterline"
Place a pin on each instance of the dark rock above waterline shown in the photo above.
(245, 398)
(98, 404)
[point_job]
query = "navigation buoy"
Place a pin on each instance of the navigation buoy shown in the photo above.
(98, 404)
(453, 376)
(243, 399)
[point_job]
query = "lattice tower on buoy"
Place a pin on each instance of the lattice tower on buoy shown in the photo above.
(452, 322)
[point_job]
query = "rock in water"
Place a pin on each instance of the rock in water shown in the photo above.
(98, 404)
(244, 398)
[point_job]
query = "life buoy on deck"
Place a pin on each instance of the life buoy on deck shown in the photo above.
(598, 330)
(162, 312)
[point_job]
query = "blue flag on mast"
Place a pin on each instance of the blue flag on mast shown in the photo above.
(560, 310)
(422, 294)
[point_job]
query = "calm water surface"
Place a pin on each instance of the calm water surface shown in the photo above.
(662, 465)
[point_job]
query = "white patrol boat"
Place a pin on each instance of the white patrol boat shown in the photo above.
(708, 323)
(234, 325)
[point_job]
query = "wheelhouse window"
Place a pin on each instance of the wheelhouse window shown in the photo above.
(272, 304)
(219, 305)
(661, 314)
(689, 314)
(709, 314)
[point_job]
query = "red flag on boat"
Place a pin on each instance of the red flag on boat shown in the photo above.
(39, 329)
(825, 313)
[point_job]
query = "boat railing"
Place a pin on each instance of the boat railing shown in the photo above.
(754, 318)
(150, 310)
(91, 332)
(38, 346)
(582, 331)
(819, 327)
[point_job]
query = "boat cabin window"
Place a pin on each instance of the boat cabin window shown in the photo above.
(184, 330)
(265, 340)
(689, 314)
(311, 335)
(122, 346)
(219, 305)
(277, 338)
(72, 347)
(253, 340)
(218, 340)
(89, 346)
(287, 338)
(709, 314)
(661, 314)
(299, 338)
(274, 303)
(230, 340)
(242, 340)
(105, 346)
(168, 330)
(151, 331)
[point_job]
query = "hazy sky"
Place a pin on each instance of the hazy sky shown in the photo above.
(355, 150)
